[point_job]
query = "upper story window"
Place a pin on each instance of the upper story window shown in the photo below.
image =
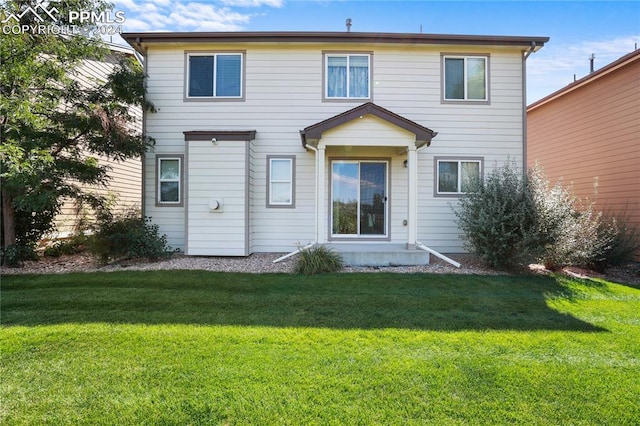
(347, 76)
(465, 78)
(214, 76)
(457, 176)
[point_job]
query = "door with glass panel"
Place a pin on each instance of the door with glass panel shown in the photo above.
(359, 198)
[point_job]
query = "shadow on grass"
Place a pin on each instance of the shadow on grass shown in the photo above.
(340, 301)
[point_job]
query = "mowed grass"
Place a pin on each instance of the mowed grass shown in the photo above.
(192, 347)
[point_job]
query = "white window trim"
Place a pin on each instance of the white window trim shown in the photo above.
(291, 181)
(159, 159)
(466, 94)
(458, 160)
(326, 75)
(215, 70)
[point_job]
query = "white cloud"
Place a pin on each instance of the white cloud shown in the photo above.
(575, 56)
(168, 15)
(136, 25)
(131, 5)
(554, 66)
(205, 17)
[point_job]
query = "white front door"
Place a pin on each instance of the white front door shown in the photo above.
(359, 191)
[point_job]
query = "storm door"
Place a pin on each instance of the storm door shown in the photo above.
(359, 198)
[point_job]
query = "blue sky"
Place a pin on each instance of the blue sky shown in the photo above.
(607, 29)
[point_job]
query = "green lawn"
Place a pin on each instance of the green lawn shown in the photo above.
(192, 347)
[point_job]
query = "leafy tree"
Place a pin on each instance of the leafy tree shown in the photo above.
(52, 126)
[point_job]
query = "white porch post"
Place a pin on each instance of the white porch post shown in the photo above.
(412, 215)
(320, 216)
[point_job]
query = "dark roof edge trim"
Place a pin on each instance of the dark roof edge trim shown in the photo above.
(323, 37)
(221, 135)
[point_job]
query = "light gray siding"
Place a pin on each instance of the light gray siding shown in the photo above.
(283, 95)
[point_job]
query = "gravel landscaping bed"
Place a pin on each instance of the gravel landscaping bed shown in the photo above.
(263, 263)
(256, 263)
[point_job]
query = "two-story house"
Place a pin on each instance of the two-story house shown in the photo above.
(267, 141)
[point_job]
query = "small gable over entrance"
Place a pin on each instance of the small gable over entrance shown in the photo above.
(311, 135)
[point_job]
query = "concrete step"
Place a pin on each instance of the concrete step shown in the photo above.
(370, 254)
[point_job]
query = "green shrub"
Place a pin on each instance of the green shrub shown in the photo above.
(498, 219)
(76, 244)
(583, 239)
(318, 259)
(128, 237)
(511, 219)
(626, 241)
(30, 227)
(14, 255)
(580, 235)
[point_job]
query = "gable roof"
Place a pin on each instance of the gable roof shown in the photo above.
(588, 79)
(526, 42)
(311, 134)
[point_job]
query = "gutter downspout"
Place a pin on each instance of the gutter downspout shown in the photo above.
(435, 253)
(286, 256)
(524, 106)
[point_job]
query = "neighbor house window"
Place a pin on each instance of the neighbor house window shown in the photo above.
(347, 76)
(465, 78)
(169, 184)
(457, 176)
(281, 181)
(214, 75)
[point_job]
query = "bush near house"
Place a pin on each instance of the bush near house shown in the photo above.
(499, 222)
(511, 219)
(114, 236)
(626, 241)
(317, 260)
(128, 236)
(77, 243)
(579, 234)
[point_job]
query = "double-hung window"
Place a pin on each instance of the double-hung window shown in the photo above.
(281, 181)
(457, 176)
(214, 76)
(465, 78)
(347, 76)
(169, 184)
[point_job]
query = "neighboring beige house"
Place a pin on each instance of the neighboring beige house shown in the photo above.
(125, 187)
(267, 141)
(588, 135)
